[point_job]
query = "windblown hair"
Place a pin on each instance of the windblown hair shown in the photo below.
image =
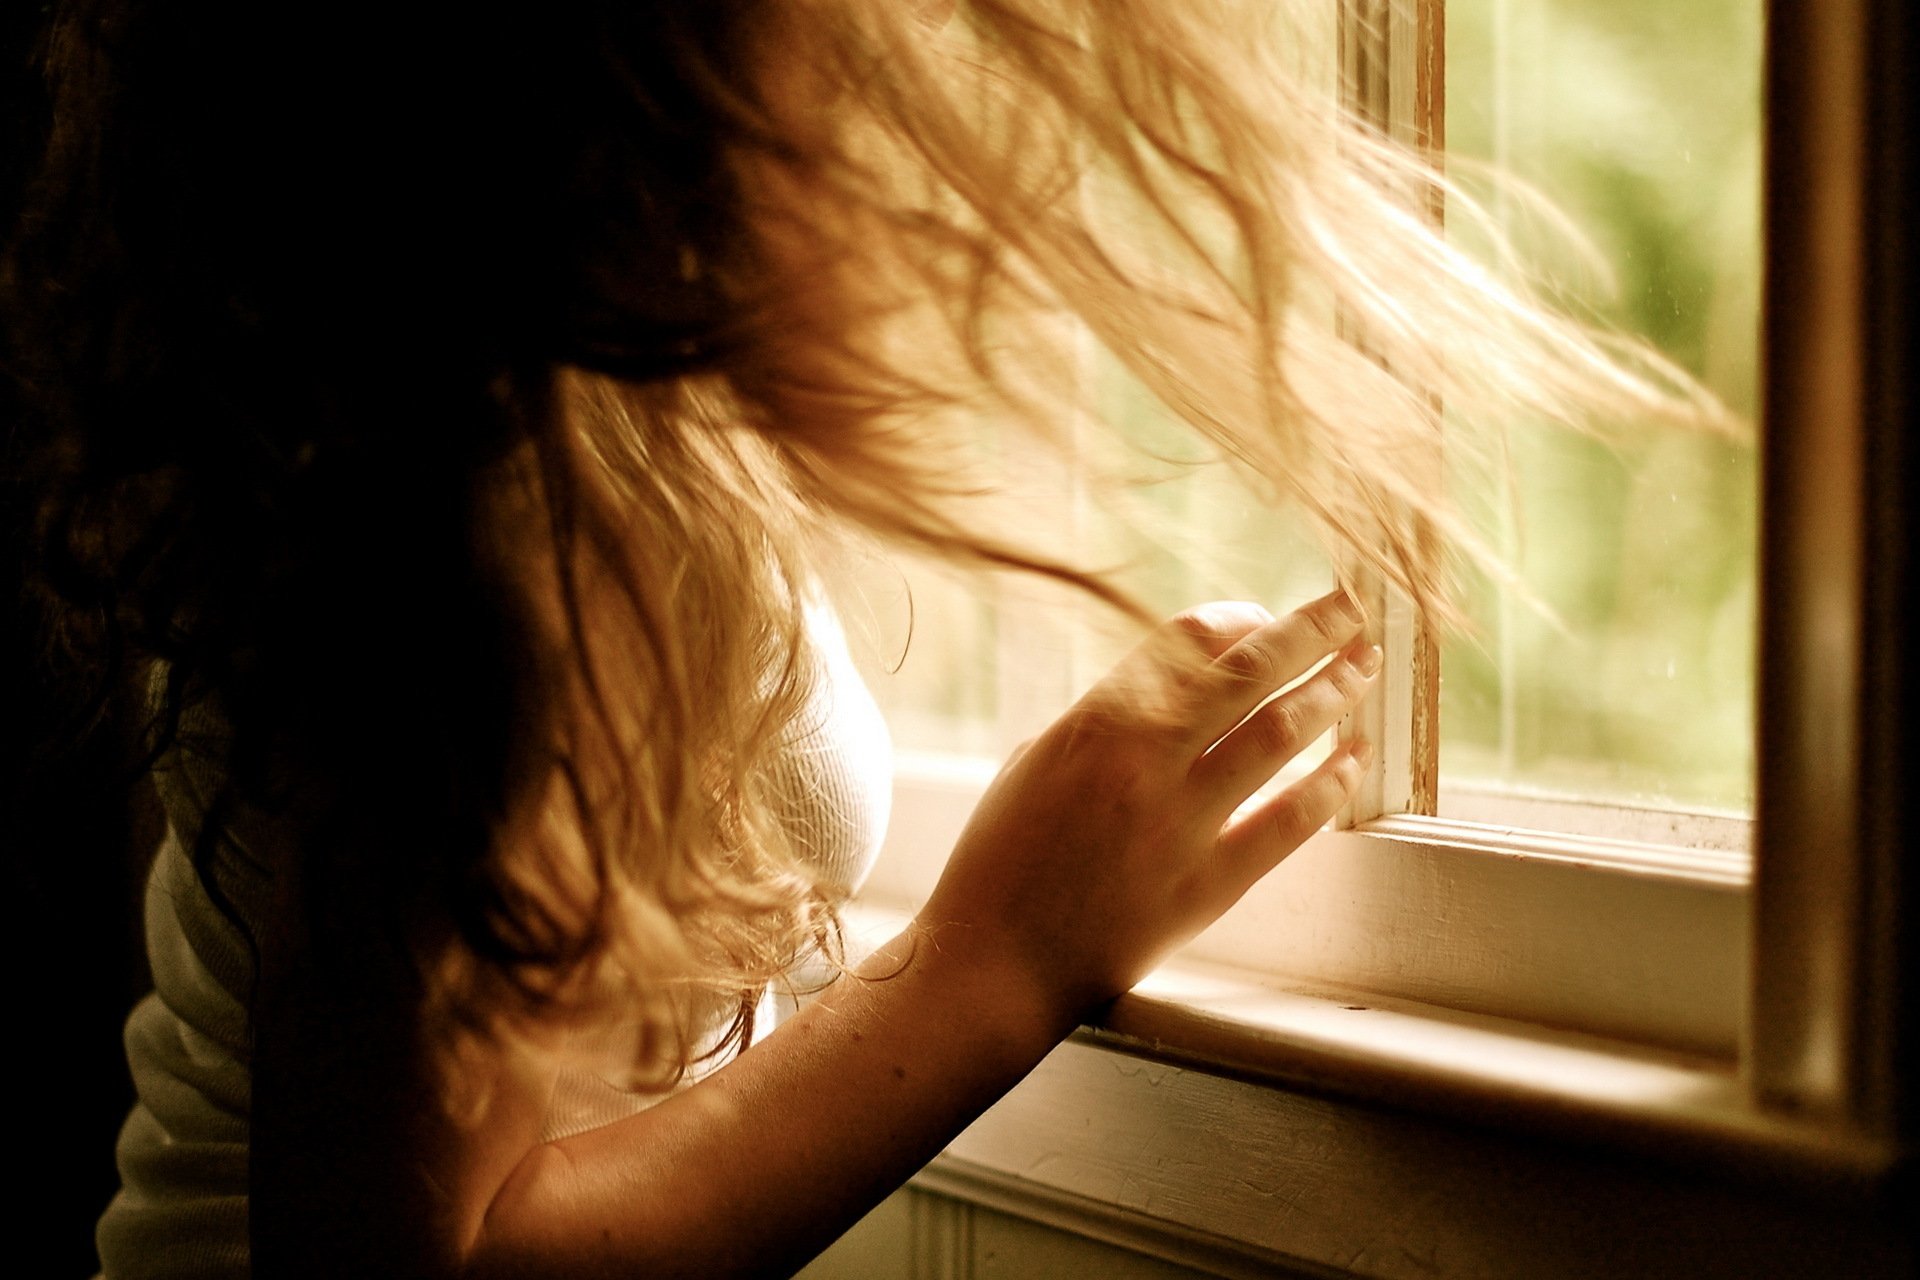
(452, 404)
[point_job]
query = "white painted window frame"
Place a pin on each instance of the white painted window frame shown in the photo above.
(1742, 1025)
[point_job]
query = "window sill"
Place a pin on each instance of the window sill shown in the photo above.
(1636, 942)
(1398, 1087)
(1240, 1127)
(1489, 1072)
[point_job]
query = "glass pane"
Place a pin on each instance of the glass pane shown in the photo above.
(975, 666)
(1628, 676)
(990, 662)
(928, 648)
(1191, 534)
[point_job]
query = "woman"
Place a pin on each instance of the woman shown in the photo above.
(430, 426)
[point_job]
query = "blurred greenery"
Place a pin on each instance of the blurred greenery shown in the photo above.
(1629, 675)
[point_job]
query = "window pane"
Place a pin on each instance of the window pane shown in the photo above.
(975, 667)
(1628, 677)
(989, 664)
(927, 647)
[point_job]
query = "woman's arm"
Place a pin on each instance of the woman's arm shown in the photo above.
(755, 1169)
(1103, 846)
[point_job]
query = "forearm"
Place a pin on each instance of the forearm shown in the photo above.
(757, 1167)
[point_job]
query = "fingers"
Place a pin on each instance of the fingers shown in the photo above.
(1218, 626)
(1244, 655)
(1248, 672)
(1237, 765)
(1254, 845)
(1215, 628)
(1141, 678)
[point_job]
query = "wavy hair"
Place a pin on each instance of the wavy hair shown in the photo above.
(454, 401)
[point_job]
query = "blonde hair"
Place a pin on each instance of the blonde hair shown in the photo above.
(918, 248)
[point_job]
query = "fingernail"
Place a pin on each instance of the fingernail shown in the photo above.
(1370, 660)
(1362, 753)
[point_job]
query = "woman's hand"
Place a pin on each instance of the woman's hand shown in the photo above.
(1110, 839)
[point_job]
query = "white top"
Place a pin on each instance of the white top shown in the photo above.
(182, 1207)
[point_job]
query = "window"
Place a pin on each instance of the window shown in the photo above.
(1632, 685)
(1552, 754)
(1537, 999)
